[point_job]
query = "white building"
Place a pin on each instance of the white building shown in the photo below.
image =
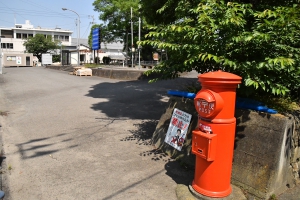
(111, 50)
(12, 39)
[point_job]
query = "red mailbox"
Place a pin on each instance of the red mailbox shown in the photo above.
(213, 142)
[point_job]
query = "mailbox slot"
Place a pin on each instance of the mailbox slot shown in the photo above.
(204, 145)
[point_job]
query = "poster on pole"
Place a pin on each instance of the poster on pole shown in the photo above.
(178, 127)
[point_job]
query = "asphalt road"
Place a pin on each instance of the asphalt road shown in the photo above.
(68, 137)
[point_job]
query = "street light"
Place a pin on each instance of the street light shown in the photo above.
(0, 54)
(78, 34)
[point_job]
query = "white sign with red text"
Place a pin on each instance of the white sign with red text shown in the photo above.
(178, 127)
(18, 60)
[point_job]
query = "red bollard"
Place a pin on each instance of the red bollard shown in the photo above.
(213, 143)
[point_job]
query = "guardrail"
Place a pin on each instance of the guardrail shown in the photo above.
(144, 64)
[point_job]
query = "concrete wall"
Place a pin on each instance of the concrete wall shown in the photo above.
(266, 151)
(262, 155)
(119, 74)
(19, 60)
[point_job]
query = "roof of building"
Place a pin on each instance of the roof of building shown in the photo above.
(29, 26)
(114, 47)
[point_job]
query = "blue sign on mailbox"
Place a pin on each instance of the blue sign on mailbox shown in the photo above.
(96, 41)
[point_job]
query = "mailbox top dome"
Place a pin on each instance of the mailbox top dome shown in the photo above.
(220, 76)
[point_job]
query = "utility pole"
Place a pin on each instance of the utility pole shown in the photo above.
(139, 47)
(92, 51)
(0, 54)
(132, 49)
(78, 43)
(78, 34)
(92, 16)
(61, 63)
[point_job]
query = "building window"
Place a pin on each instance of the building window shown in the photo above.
(67, 38)
(7, 45)
(11, 58)
(19, 35)
(24, 36)
(30, 35)
(56, 37)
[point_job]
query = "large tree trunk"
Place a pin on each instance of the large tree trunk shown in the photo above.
(39, 56)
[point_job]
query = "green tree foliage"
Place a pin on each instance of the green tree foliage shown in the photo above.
(117, 17)
(39, 44)
(258, 40)
(149, 10)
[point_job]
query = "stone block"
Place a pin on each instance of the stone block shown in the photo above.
(186, 105)
(106, 73)
(262, 153)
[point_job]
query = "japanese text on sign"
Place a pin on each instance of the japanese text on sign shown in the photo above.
(178, 129)
(205, 107)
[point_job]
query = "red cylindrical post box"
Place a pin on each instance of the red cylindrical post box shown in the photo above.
(213, 142)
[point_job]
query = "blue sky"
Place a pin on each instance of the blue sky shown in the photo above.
(49, 14)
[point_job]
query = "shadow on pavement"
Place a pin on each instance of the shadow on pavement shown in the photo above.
(147, 102)
(143, 134)
(179, 173)
(135, 99)
(33, 148)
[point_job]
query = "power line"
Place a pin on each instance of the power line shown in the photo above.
(41, 11)
(87, 29)
(4, 21)
(43, 7)
(92, 16)
(37, 13)
(11, 9)
(47, 8)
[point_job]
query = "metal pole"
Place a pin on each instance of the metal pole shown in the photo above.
(78, 61)
(0, 54)
(78, 35)
(131, 38)
(61, 63)
(139, 41)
